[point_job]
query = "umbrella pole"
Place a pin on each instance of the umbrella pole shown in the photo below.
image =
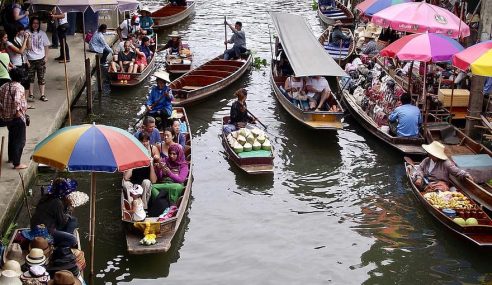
(410, 73)
(453, 85)
(424, 94)
(92, 227)
(66, 80)
(83, 31)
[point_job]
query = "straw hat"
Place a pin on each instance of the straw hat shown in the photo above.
(12, 265)
(136, 190)
(175, 34)
(35, 257)
(435, 149)
(9, 277)
(162, 75)
(14, 252)
(41, 243)
(35, 272)
(145, 8)
(64, 277)
(338, 23)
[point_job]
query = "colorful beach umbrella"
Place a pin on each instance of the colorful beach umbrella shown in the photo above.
(371, 7)
(428, 47)
(92, 148)
(477, 57)
(420, 17)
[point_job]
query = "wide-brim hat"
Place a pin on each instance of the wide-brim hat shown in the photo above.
(175, 34)
(10, 277)
(64, 277)
(338, 23)
(136, 190)
(14, 252)
(38, 231)
(435, 149)
(36, 272)
(78, 198)
(162, 75)
(13, 265)
(144, 8)
(43, 244)
(35, 257)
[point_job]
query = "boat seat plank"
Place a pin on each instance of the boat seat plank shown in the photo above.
(191, 87)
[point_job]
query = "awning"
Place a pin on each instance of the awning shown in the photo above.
(306, 55)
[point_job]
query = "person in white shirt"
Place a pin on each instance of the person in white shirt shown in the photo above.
(318, 91)
(17, 52)
(61, 30)
(128, 26)
(37, 55)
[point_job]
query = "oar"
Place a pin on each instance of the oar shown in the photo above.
(25, 196)
(256, 119)
(225, 32)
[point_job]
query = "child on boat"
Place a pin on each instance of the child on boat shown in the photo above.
(137, 211)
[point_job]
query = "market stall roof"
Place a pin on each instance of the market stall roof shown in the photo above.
(306, 55)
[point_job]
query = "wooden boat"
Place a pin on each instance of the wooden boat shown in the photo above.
(169, 227)
(457, 143)
(253, 162)
(179, 63)
(480, 235)
(308, 59)
(171, 14)
(126, 79)
(340, 54)
(207, 79)
(409, 146)
(329, 13)
(24, 243)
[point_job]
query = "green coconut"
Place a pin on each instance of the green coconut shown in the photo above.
(247, 146)
(266, 145)
(256, 145)
(261, 139)
(459, 221)
(471, 222)
(256, 132)
(241, 139)
(235, 134)
(238, 148)
(242, 132)
(250, 138)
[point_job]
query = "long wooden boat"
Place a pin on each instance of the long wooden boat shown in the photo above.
(306, 59)
(340, 55)
(171, 14)
(207, 79)
(328, 14)
(409, 146)
(127, 79)
(24, 243)
(169, 227)
(480, 235)
(179, 63)
(479, 190)
(253, 162)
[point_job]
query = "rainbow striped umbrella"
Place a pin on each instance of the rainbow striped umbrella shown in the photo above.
(371, 7)
(426, 47)
(91, 148)
(477, 57)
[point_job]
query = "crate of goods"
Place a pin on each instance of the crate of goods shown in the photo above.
(460, 97)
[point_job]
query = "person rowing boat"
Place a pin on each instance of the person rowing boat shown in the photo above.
(239, 113)
(238, 39)
(159, 102)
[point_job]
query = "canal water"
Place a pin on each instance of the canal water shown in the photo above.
(337, 210)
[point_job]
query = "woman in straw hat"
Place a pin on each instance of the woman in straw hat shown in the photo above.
(159, 102)
(436, 168)
(174, 44)
(338, 37)
(146, 22)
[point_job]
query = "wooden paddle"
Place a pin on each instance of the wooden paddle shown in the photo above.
(225, 32)
(256, 119)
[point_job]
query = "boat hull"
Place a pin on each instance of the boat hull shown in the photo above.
(207, 79)
(173, 14)
(344, 15)
(341, 56)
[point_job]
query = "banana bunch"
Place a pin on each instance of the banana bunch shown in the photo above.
(149, 239)
(451, 200)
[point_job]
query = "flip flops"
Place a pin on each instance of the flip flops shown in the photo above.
(43, 98)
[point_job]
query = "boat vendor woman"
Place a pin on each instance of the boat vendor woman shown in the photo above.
(173, 45)
(433, 172)
(160, 98)
(239, 112)
(54, 212)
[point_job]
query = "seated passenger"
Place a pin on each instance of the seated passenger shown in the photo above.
(137, 211)
(148, 127)
(146, 21)
(163, 147)
(433, 172)
(370, 48)
(239, 116)
(338, 37)
(144, 176)
(141, 56)
(179, 137)
(126, 60)
(98, 44)
(318, 92)
(145, 48)
(175, 166)
(294, 86)
(406, 119)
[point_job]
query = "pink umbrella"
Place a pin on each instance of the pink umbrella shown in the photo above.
(420, 17)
